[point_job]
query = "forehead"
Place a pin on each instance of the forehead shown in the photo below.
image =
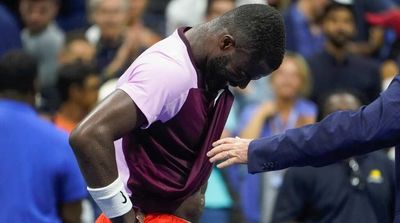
(339, 11)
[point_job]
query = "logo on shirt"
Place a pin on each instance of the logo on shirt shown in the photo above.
(375, 176)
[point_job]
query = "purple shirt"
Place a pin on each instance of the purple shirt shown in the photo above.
(165, 161)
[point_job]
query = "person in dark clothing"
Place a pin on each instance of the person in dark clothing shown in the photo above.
(335, 67)
(360, 189)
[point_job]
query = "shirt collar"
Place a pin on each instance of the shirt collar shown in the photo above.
(332, 59)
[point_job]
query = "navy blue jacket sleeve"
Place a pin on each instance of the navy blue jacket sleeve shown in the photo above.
(340, 135)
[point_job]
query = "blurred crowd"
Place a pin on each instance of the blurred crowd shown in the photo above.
(340, 55)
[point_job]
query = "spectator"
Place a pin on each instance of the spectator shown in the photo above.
(137, 39)
(368, 39)
(41, 181)
(359, 189)
(335, 67)
(77, 48)
(78, 86)
(109, 35)
(389, 19)
(10, 37)
(303, 32)
(41, 37)
(289, 110)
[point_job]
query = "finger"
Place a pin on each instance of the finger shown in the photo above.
(224, 141)
(219, 149)
(228, 162)
(220, 156)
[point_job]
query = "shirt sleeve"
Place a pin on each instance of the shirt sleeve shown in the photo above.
(307, 108)
(159, 90)
(340, 135)
(71, 184)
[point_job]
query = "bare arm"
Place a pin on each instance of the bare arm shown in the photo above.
(254, 126)
(71, 212)
(93, 139)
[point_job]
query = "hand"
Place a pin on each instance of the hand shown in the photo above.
(230, 151)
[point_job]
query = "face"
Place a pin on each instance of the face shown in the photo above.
(37, 14)
(338, 27)
(219, 7)
(137, 8)
(287, 81)
(89, 92)
(111, 17)
(342, 101)
(78, 50)
(234, 67)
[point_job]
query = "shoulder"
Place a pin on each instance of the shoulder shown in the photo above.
(365, 63)
(165, 62)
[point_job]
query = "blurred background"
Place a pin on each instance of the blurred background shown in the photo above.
(340, 55)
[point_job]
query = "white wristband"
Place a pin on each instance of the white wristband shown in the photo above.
(112, 199)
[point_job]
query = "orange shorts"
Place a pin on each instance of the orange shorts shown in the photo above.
(151, 218)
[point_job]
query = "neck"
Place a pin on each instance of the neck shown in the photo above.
(306, 8)
(72, 111)
(339, 53)
(197, 38)
(285, 104)
(135, 20)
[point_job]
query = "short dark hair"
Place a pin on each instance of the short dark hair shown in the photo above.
(337, 6)
(73, 74)
(55, 1)
(259, 28)
(18, 72)
(75, 35)
(350, 91)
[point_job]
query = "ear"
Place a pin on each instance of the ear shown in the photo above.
(226, 42)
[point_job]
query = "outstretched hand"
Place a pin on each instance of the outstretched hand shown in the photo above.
(229, 151)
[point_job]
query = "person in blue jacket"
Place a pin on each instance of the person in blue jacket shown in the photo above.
(340, 135)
